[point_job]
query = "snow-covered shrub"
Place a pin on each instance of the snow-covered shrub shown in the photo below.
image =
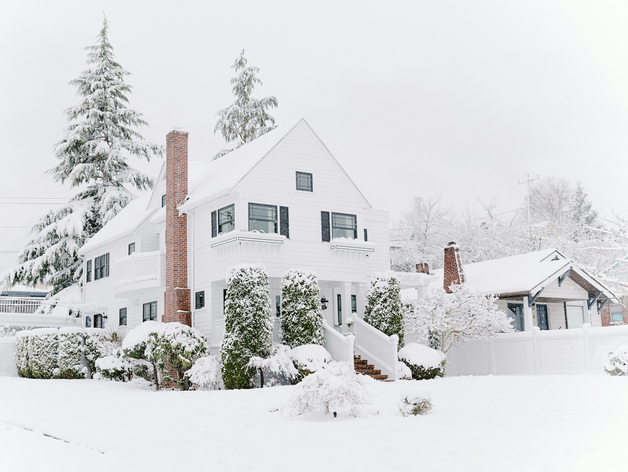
(22, 340)
(205, 373)
(333, 389)
(96, 346)
(447, 319)
(176, 346)
(278, 369)
(403, 371)
(71, 342)
(424, 362)
(135, 346)
(43, 352)
(301, 315)
(617, 362)
(115, 366)
(248, 324)
(309, 358)
(6, 332)
(383, 305)
(414, 401)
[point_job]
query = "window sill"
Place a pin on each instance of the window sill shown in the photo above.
(247, 237)
(354, 245)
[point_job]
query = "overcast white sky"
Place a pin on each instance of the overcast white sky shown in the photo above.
(453, 98)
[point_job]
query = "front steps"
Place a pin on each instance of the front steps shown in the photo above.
(362, 366)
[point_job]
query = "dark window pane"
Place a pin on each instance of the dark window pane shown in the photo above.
(88, 322)
(262, 218)
(226, 219)
(131, 248)
(344, 226)
(199, 300)
(89, 271)
(163, 200)
(98, 321)
(354, 304)
(122, 317)
(339, 305)
(305, 182)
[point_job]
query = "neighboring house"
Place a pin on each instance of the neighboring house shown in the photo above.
(282, 200)
(542, 288)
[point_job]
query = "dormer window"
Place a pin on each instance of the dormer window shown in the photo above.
(305, 182)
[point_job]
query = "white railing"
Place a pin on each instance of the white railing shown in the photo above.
(19, 304)
(378, 348)
(338, 345)
(138, 271)
(564, 351)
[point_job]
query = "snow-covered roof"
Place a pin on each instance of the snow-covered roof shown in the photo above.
(121, 225)
(215, 178)
(523, 273)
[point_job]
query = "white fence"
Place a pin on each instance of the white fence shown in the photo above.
(377, 347)
(7, 356)
(19, 304)
(339, 346)
(567, 351)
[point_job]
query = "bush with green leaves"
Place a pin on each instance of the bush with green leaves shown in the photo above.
(135, 346)
(301, 315)
(414, 402)
(71, 346)
(424, 362)
(43, 353)
(308, 359)
(22, 340)
(115, 366)
(617, 362)
(383, 308)
(96, 346)
(176, 346)
(248, 324)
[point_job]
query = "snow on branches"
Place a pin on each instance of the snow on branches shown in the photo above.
(447, 319)
(301, 315)
(383, 305)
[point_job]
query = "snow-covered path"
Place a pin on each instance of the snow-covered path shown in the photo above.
(553, 423)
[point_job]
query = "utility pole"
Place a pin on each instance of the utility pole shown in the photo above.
(528, 181)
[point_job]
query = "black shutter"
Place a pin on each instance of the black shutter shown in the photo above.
(284, 222)
(325, 230)
(366, 235)
(107, 265)
(214, 225)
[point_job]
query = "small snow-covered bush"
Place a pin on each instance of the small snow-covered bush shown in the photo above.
(176, 346)
(135, 346)
(383, 308)
(424, 362)
(205, 373)
(278, 369)
(309, 358)
(43, 352)
(301, 315)
(414, 401)
(71, 342)
(22, 340)
(403, 371)
(617, 362)
(95, 347)
(248, 324)
(115, 366)
(335, 388)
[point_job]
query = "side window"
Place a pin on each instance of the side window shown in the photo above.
(149, 311)
(88, 270)
(131, 248)
(354, 304)
(262, 218)
(98, 321)
(101, 266)
(199, 300)
(88, 322)
(226, 219)
(339, 308)
(344, 226)
(163, 200)
(122, 317)
(305, 182)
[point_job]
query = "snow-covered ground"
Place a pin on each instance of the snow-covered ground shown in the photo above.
(525, 423)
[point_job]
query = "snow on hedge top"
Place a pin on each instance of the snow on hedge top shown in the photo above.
(224, 173)
(418, 354)
(311, 356)
(125, 222)
(513, 274)
(140, 334)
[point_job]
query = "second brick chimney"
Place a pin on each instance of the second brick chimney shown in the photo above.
(177, 297)
(453, 272)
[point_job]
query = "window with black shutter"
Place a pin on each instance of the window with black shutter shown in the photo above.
(284, 222)
(101, 266)
(344, 225)
(214, 224)
(325, 228)
(262, 218)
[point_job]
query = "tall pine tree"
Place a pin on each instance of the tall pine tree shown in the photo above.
(93, 155)
(246, 118)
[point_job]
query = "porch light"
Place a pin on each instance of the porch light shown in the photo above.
(324, 303)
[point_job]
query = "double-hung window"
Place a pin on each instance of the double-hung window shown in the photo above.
(149, 311)
(88, 269)
(344, 226)
(262, 218)
(101, 266)
(226, 219)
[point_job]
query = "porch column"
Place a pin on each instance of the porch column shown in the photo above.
(346, 301)
(528, 321)
(586, 311)
(361, 289)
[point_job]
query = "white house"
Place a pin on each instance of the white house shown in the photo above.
(282, 200)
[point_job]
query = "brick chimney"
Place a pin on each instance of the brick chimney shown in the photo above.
(177, 296)
(453, 272)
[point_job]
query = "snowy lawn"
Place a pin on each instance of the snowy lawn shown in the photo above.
(553, 423)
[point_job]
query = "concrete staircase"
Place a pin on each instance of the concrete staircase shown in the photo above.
(362, 366)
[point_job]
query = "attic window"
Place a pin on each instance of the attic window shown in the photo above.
(305, 181)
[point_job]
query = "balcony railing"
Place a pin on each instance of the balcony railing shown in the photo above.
(139, 271)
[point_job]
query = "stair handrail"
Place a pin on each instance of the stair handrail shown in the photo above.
(379, 348)
(339, 346)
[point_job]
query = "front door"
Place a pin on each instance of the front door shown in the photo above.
(515, 312)
(541, 316)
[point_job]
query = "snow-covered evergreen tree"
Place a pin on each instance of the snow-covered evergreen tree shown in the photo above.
(301, 315)
(248, 324)
(383, 305)
(246, 118)
(99, 140)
